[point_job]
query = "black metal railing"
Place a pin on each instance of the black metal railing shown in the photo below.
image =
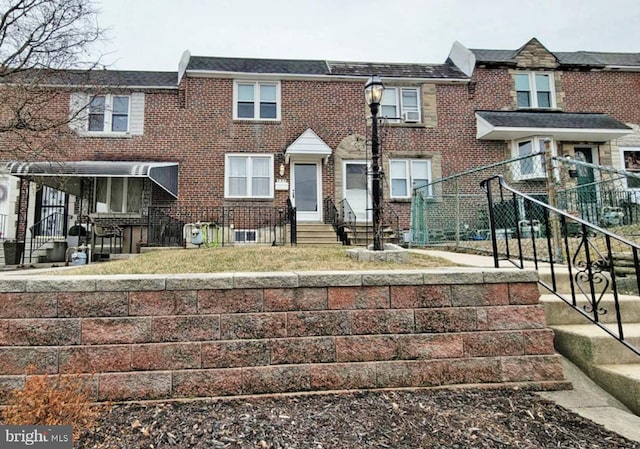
(333, 217)
(292, 220)
(51, 227)
(597, 264)
(349, 219)
(218, 226)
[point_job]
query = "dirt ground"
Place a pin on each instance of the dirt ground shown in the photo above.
(504, 418)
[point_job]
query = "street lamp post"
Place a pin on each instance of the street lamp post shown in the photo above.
(373, 91)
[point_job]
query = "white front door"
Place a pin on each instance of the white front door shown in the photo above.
(355, 189)
(306, 191)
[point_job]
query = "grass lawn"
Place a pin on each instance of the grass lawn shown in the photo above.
(249, 258)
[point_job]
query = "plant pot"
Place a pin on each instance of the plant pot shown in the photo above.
(13, 252)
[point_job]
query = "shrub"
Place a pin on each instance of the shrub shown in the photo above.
(53, 400)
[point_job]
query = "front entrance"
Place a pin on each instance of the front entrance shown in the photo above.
(356, 190)
(50, 212)
(306, 191)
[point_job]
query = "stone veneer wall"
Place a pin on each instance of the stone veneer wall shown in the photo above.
(185, 336)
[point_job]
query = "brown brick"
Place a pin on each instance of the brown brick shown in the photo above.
(134, 386)
(96, 331)
(28, 305)
(397, 321)
(308, 324)
(524, 293)
(479, 295)
(492, 344)
(93, 304)
(253, 325)
(207, 383)
(230, 301)
(431, 346)
(42, 332)
(420, 296)
(365, 348)
(343, 376)
(276, 379)
(422, 373)
(538, 342)
(20, 360)
(532, 368)
(516, 317)
(292, 299)
(303, 350)
(455, 319)
(471, 371)
(344, 298)
(95, 359)
(165, 356)
(185, 328)
(167, 302)
(236, 353)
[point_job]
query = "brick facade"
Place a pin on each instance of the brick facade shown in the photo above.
(162, 337)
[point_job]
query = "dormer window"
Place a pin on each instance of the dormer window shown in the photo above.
(535, 90)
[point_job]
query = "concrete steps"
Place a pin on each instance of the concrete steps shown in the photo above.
(314, 234)
(605, 360)
(362, 235)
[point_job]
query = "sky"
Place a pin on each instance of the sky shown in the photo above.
(153, 34)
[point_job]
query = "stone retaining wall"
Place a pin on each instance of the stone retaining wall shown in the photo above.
(185, 336)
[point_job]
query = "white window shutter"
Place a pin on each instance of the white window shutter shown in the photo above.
(136, 119)
(78, 111)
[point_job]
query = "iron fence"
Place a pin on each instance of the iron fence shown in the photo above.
(220, 226)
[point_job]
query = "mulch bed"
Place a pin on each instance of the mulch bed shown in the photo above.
(504, 418)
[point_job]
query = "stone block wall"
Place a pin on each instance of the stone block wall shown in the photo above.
(185, 336)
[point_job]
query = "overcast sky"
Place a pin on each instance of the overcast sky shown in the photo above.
(152, 34)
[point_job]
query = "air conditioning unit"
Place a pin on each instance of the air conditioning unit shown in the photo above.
(411, 117)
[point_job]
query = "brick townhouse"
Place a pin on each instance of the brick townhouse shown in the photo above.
(248, 134)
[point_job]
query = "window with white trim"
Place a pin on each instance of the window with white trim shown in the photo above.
(248, 176)
(118, 195)
(531, 167)
(631, 163)
(401, 104)
(406, 175)
(108, 113)
(535, 90)
(256, 100)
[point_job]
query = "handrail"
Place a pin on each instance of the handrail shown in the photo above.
(44, 230)
(332, 217)
(293, 222)
(349, 217)
(592, 267)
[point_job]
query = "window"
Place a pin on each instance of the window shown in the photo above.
(531, 167)
(534, 90)
(118, 195)
(631, 163)
(248, 176)
(256, 100)
(401, 103)
(245, 236)
(407, 175)
(109, 113)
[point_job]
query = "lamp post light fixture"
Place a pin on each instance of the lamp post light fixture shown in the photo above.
(373, 91)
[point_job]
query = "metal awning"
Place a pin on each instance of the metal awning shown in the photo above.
(164, 174)
(566, 126)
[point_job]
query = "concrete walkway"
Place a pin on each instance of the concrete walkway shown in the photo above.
(586, 399)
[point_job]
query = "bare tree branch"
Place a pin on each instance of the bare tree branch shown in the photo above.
(42, 43)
